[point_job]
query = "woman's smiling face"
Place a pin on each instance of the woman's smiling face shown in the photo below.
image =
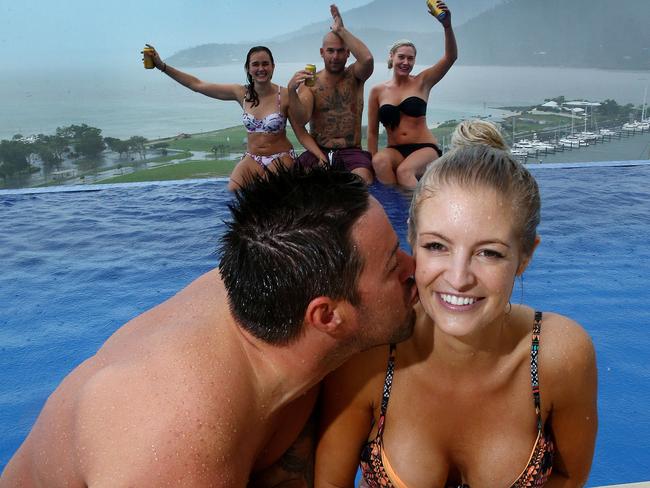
(403, 60)
(467, 254)
(260, 66)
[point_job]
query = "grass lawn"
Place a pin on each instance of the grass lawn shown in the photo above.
(170, 157)
(206, 140)
(444, 130)
(181, 171)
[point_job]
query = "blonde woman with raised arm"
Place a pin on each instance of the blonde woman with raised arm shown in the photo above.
(400, 104)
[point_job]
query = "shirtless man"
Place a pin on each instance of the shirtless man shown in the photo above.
(333, 106)
(212, 387)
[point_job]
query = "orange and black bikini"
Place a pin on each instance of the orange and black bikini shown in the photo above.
(378, 473)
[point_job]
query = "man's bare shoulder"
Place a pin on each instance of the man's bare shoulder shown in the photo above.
(175, 421)
(202, 302)
(156, 404)
(175, 391)
(130, 423)
(350, 74)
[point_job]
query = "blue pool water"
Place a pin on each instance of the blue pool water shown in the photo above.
(76, 265)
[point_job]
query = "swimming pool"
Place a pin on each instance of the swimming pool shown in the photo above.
(78, 264)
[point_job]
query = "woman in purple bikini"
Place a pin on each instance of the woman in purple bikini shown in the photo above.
(265, 107)
(400, 104)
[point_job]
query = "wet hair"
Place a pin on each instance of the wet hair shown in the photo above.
(396, 45)
(476, 131)
(482, 166)
(251, 94)
(290, 241)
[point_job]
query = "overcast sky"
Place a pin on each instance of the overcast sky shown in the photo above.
(63, 33)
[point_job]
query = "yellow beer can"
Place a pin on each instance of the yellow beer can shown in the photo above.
(312, 69)
(436, 11)
(147, 53)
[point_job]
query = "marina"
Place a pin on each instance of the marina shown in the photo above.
(525, 149)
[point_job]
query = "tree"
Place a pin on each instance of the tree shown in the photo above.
(137, 144)
(117, 145)
(161, 146)
(65, 133)
(51, 150)
(87, 141)
(14, 156)
(609, 108)
(112, 143)
(49, 158)
(627, 110)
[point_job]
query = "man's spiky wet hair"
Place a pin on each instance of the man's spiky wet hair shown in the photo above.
(289, 241)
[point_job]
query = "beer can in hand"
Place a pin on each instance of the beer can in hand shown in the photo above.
(311, 68)
(147, 53)
(436, 11)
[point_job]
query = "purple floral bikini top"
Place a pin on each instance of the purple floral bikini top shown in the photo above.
(273, 123)
(377, 473)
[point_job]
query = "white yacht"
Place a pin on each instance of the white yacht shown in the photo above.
(519, 153)
(588, 136)
(525, 145)
(569, 142)
(636, 126)
(542, 145)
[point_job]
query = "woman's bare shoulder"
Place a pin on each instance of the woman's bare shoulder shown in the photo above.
(566, 350)
(564, 334)
(379, 89)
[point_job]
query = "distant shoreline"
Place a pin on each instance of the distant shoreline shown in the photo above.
(128, 100)
(635, 147)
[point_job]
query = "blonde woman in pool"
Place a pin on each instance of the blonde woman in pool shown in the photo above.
(484, 393)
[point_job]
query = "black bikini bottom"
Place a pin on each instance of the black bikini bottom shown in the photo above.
(406, 149)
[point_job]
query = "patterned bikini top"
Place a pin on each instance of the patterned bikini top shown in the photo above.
(376, 468)
(273, 123)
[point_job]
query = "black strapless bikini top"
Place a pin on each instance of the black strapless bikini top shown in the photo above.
(389, 115)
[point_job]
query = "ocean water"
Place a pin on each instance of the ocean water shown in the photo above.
(78, 263)
(127, 101)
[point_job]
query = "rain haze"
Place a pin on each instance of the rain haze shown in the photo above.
(70, 33)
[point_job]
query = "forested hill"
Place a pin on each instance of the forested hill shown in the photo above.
(378, 24)
(396, 16)
(576, 33)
